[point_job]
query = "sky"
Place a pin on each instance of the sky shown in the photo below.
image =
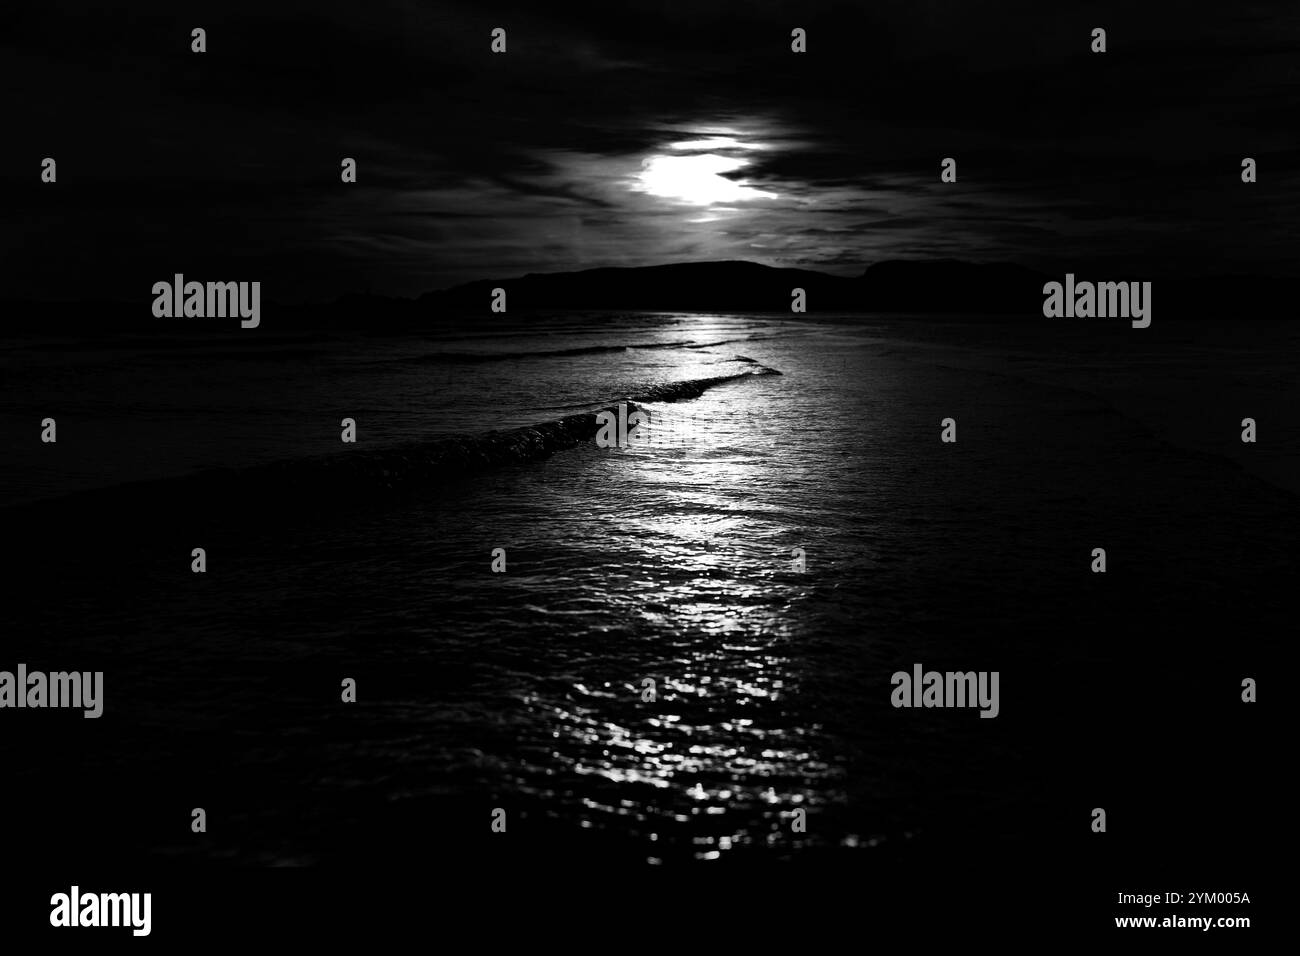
(637, 133)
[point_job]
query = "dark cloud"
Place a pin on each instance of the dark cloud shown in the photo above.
(477, 165)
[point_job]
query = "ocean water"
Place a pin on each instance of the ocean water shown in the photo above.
(672, 562)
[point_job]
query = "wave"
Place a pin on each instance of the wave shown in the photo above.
(321, 480)
(694, 388)
(475, 358)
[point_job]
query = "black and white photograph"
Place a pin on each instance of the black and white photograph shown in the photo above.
(647, 461)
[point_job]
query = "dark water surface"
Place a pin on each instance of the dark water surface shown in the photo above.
(672, 562)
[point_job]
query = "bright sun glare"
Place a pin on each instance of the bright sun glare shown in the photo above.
(696, 179)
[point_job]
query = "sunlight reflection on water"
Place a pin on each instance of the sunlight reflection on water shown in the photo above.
(721, 763)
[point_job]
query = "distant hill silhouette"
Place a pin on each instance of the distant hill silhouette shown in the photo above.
(901, 286)
(938, 286)
(919, 286)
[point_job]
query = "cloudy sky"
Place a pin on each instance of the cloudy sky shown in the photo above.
(634, 133)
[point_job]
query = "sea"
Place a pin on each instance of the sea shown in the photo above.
(676, 651)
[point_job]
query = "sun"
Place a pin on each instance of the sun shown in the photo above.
(696, 179)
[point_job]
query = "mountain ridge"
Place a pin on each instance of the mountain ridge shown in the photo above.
(923, 286)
